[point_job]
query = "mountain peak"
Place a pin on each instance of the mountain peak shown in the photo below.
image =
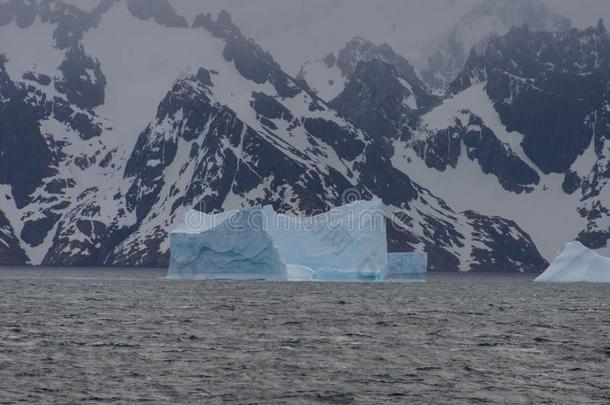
(223, 27)
(475, 29)
(601, 27)
(328, 76)
(224, 18)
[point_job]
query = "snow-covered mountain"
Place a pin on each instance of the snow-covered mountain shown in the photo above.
(564, 78)
(118, 118)
(474, 30)
(328, 76)
(522, 134)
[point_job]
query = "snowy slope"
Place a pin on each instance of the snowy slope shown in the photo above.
(136, 117)
(536, 211)
(564, 141)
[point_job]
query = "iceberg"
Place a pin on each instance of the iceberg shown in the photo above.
(224, 246)
(575, 262)
(346, 243)
(409, 266)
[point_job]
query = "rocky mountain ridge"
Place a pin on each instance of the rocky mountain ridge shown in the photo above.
(224, 127)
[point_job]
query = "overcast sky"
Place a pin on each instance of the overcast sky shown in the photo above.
(298, 30)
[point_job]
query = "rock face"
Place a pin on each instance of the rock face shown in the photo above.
(21, 138)
(378, 99)
(562, 76)
(519, 78)
(468, 135)
(575, 263)
(214, 123)
(329, 75)
(237, 248)
(11, 252)
(158, 10)
(474, 30)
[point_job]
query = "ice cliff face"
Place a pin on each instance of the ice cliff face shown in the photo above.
(237, 248)
(574, 263)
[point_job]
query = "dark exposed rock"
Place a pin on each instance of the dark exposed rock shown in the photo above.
(83, 82)
(494, 157)
(484, 22)
(341, 140)
(594, 239)
(251, 61)
(71, 21)
(558, 75)
(11, 252)
(159, 10)
(270, 108)
(20, 11)
(34, 232)
(204, 21)
(38, 78)
(443, 148)
(382, 179)
(25, 159)
(374, 99)
(360, 50)
(519, 248)
(80, 122)
(571, 182)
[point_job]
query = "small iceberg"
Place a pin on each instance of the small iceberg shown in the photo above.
(347, 243)
(576, 263)
(409, 266)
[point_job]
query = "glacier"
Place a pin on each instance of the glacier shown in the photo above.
(346, 243)
(574, 263)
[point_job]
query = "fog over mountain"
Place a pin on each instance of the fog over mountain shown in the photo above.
(296, 30)
(482, 125)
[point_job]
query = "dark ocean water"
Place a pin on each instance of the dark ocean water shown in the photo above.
(103, 336)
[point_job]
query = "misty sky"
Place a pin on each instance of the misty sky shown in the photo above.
(298, 30)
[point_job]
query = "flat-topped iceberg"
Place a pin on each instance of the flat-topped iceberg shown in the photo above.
(215, 252)
(347, 243)
(409, 266)
(576, 263)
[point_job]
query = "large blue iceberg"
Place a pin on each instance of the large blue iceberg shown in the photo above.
(236, 248)
(409, 266)
(347, 243)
